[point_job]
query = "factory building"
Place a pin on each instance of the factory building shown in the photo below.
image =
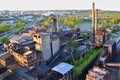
(98, 74)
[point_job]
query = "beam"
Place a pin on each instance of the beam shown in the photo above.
(113, 64)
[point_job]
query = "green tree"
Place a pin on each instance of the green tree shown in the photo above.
(46, 24)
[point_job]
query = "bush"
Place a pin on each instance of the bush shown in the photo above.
(4, 27)
(82, 62)
(74, 44)
(4, 38)
(19, 30)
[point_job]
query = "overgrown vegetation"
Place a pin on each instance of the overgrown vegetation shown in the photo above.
(4, 27)
(73, 44)
(82, 62)
(4, 38)
(19, 25)
(46, 23)
(19, 30)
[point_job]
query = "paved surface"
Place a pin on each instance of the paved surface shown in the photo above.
(85, 26)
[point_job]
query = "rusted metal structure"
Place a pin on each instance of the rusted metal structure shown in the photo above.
(98, 74)
(98, 33)
(93, 22)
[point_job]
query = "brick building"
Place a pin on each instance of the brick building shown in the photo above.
(98, 74)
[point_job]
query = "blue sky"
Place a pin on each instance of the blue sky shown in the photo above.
(58, 4)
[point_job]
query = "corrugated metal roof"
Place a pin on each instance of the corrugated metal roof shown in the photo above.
(62, 68)
(5, 55)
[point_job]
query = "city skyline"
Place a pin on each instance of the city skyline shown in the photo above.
(58, 5)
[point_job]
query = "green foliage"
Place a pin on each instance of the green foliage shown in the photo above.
(83, 34)
(82, 62)
(64, 60)
(71, 21)
(4, 27)
(46, 23)
(74, 44)
(19, 25)
(112, 35)
(39, 22)
(19, 30)
(4, 38)
(110, 18)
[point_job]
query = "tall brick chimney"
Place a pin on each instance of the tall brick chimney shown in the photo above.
(96, 19)
(93, 22)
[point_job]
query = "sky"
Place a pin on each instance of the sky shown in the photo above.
(58, 4)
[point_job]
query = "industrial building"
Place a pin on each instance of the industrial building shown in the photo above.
(47, 44)
(5, 59)
(30, 50)
(62, 71)
(99, 34)
(98, 74)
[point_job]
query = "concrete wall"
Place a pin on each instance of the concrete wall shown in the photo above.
(55, 46)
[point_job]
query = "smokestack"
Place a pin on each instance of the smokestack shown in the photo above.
(93, 21)
(58, 22)
(96, 19)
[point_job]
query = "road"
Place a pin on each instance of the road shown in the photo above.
(11, 32)
(30, 25)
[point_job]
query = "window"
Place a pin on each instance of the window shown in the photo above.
(39, 36)
(35, 36)
(25, 62)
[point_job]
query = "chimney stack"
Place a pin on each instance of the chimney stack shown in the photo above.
(93, 22)
(96, 19)
(58, 22)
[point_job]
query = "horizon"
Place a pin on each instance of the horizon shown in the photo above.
(62, 10)
(15, 5)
